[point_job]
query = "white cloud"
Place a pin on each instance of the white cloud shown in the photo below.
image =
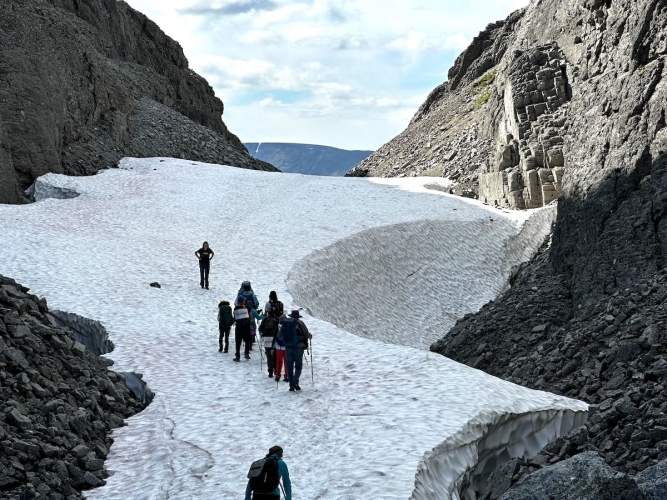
(349, 73)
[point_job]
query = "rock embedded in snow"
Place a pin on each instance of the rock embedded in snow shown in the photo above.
(55, 398)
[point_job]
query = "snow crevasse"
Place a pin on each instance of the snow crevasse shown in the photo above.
(458, 468)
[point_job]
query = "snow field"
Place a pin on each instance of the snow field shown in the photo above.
(375, 409)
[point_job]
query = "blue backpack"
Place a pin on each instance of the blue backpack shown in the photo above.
(290, 332)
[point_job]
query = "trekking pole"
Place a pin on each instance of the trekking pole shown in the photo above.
(312, 369)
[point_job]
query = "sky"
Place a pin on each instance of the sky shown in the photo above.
(342, 73)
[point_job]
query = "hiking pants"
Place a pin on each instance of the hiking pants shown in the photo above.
(270, 360)
(281, 364)
(224, 337)
(242, 333)
(204, 268)
(294, 363)
(265, 496)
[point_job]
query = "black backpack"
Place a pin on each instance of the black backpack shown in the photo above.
(264, 475)
(271, 327)
(277, 309)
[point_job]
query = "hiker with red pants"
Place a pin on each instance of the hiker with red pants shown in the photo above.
(268, 329)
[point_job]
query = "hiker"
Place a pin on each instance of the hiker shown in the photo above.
(242, 330)
(265, 475)
(242, 318)
(225, 322)
(268, 329)
(274, 308)
(295, 336)
(247, 292)
(254, 315)
(205, 256)
(278, 353)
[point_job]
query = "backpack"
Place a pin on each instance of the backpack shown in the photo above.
(271, 327)
(289, 331)
(225, 317)
(264, 475)
(277, 308)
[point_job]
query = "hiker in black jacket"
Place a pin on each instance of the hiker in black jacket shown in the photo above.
(205, 255)
(225, 322)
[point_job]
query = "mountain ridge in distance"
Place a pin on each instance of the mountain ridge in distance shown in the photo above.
(310, 159)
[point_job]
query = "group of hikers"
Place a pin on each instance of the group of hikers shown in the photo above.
(284, 338)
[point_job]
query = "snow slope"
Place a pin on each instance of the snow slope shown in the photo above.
(409, 277)
(376, 410)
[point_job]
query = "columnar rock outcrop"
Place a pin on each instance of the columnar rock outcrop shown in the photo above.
(84, 83)
(527, 171)
(58, 403)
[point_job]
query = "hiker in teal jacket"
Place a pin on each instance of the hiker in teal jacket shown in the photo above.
(277, 452)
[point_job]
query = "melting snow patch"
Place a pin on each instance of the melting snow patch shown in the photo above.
(361, 430)
(408, 283)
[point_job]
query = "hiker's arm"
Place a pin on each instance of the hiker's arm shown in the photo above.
(284, 472)
(304, 331)
(197, 255)
(212, 254)
(256, 315)
(248, 491)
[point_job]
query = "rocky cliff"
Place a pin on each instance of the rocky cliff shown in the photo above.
(566, 100)
(84, 83)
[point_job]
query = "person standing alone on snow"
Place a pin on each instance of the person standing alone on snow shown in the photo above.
(205, 256)
(225, 322)
(295, 336)
(265, 475)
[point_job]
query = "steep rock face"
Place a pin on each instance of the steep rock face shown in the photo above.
(80, 80)
(453, 132)
(587, 317)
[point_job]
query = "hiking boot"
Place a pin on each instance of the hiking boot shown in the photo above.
(207, 287)
(247, 356)
(237, 359)
(270, 375)
(296, 387)
(291, 388)
(220, 350)
(278, 378)
(286, 379)
(225, 351)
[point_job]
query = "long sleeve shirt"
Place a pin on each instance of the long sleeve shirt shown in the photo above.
(284, 476)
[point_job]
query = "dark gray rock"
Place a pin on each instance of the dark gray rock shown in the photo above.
(84, 83)
(653, 482)
(584, 477)
(58, 404)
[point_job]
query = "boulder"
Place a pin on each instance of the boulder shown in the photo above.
(584, 477)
